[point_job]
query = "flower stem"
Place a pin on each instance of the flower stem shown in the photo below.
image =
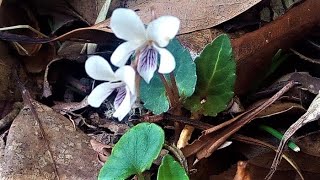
(140, 176)
(175, 108)
(134, 64)
(168, 90)
(175, 90)
(279, 136)
(138, 80)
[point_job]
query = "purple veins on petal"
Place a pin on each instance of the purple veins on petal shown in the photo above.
(147, 63)
(120, 96)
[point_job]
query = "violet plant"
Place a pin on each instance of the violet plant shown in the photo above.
(203, 86)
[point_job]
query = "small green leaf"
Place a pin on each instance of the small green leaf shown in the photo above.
(171, 169)
(134, 153)
(216, 70)
(153, 94)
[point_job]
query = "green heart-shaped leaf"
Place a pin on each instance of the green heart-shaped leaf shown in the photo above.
(171, 169)
(154, 95)
(216, 71)
(134, 152)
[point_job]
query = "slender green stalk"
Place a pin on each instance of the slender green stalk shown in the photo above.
(140, 176)
(168, 89)
(279, 136)
(174, 86)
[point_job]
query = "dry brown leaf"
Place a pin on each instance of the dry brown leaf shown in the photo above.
(89, 10)
(12, 14)
(193, 15)
(27, 157)
(59, 12)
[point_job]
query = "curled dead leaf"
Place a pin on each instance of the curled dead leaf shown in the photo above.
(193, 15)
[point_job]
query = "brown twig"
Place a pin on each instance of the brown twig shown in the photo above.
(27, 99)
(247, 118)
(205, 148)
(197, 124)
(178, 154)
(173, 101)
(312, 114)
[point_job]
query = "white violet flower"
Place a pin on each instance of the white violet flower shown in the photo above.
(146, 43)
(122, 81)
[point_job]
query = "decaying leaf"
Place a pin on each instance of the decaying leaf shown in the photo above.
(59, 13)
(89, 10)
(27, 157)
(193, 15)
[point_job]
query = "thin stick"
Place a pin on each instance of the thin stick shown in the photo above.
(23, 27)
(27, 99)
(312, 114)
(197, 124)
(219, 139)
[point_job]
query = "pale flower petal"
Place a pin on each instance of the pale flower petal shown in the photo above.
(99, 69)
(121, 94)
(123, 52)
(167, 61)
(101, 92)
(125, 106)
(163, 29)
(127, 25)
(147, 63)
(127, 75)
